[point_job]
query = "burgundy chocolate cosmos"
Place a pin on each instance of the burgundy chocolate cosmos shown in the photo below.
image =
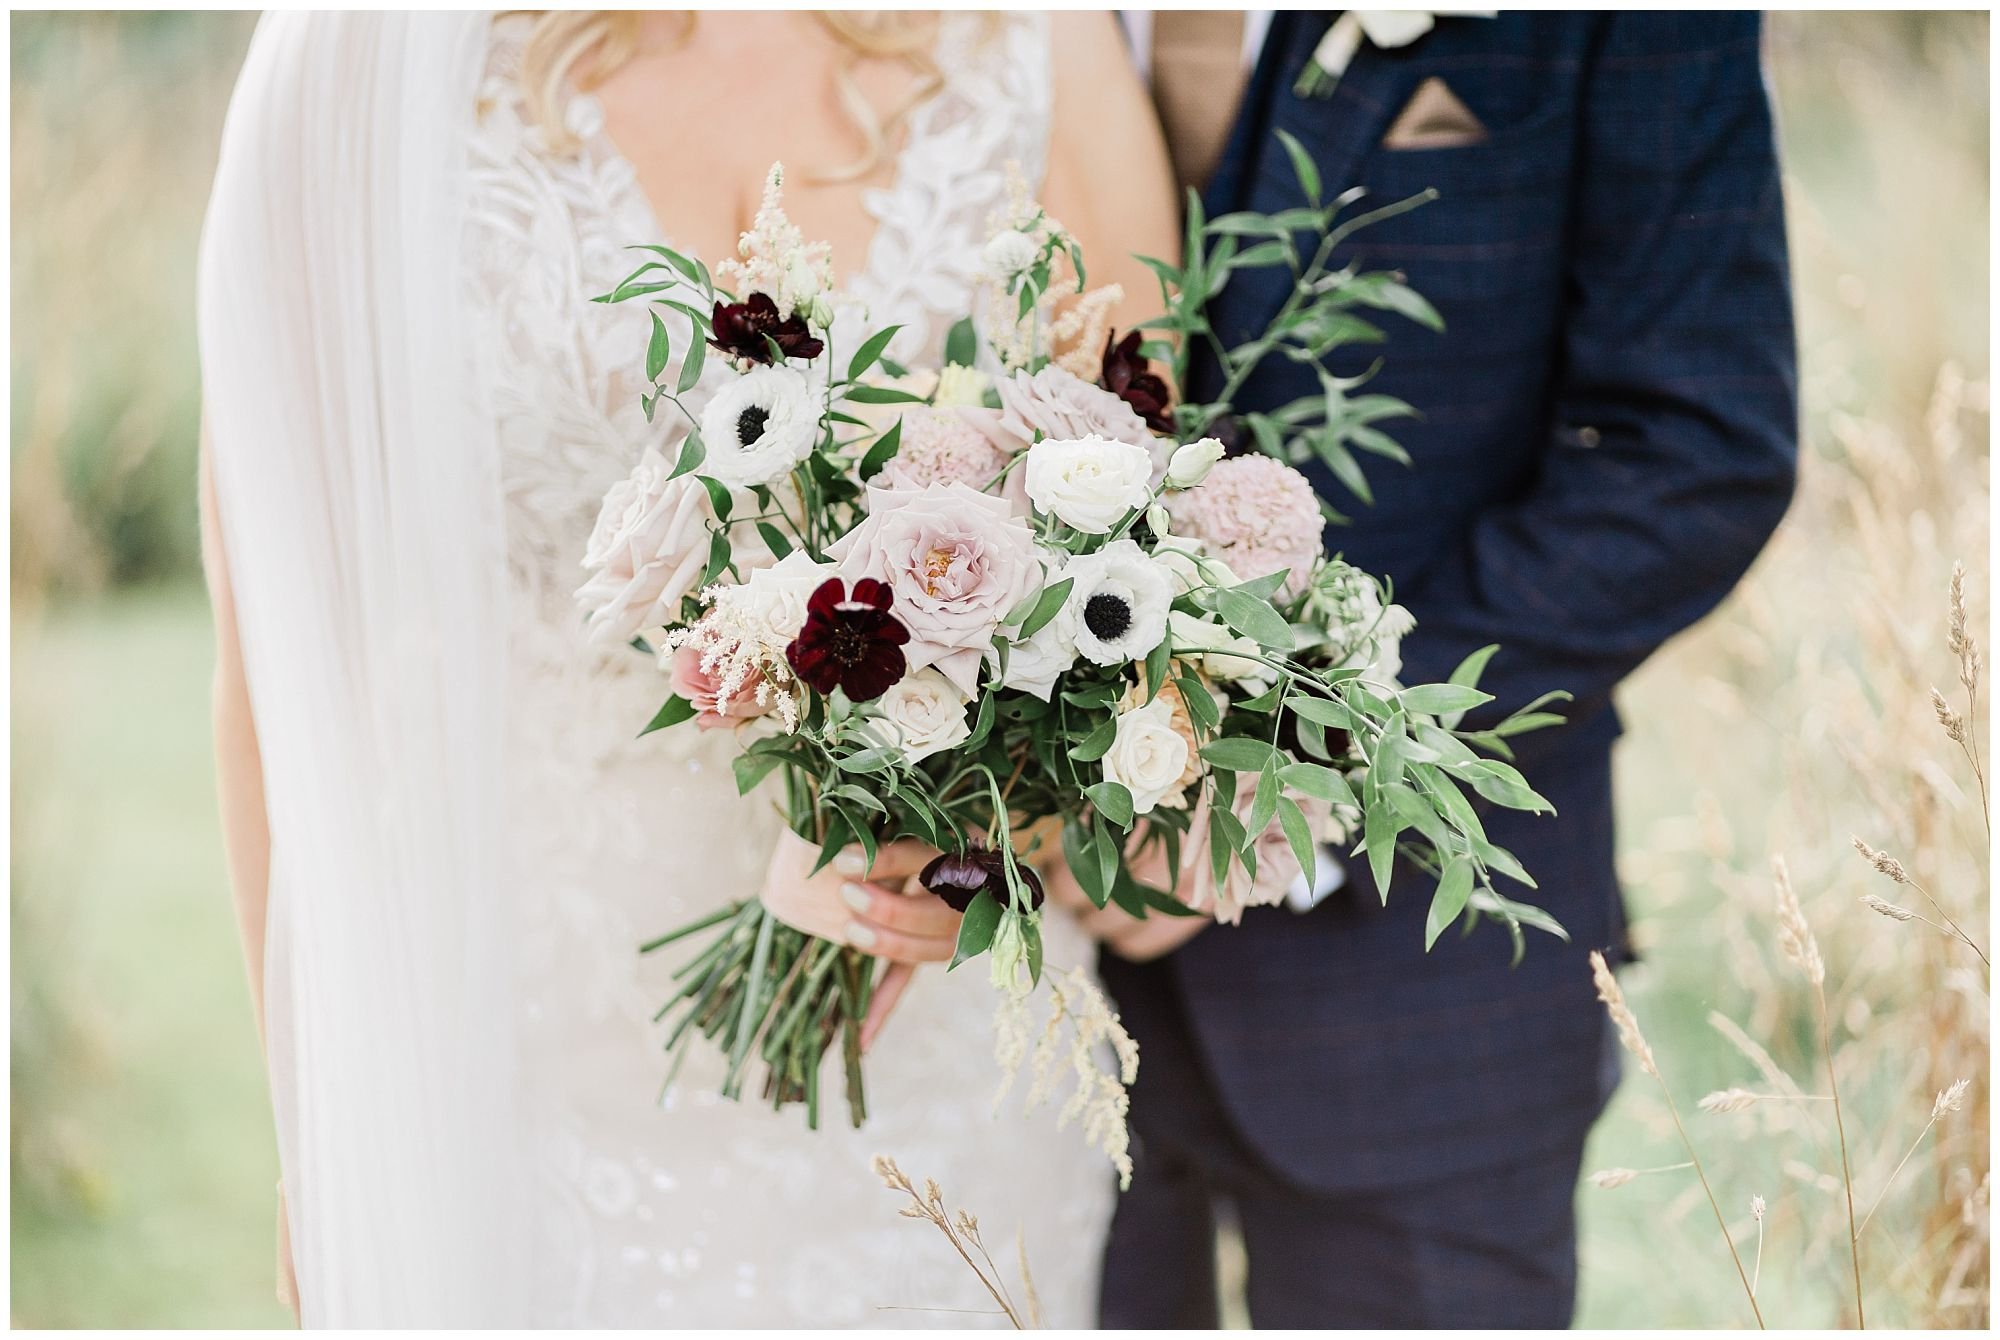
(1131, 378)
(749, 328)
(854, 644)
(959, 877)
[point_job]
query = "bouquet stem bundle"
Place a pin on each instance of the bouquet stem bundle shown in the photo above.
(760, 986)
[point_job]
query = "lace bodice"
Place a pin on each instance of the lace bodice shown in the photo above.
(696, 1210)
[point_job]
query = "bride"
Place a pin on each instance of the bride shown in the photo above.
(445, 844)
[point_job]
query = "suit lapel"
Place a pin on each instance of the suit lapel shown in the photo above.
(1338, 131)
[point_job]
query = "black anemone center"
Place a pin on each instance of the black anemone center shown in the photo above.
(750, 424)
(1107, 616)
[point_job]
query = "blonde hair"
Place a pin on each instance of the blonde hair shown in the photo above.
(586, 47)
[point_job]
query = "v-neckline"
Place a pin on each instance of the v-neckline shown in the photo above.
(605, 147)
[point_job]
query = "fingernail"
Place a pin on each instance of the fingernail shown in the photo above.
(854, 896)
(850, 862)
(860, 936)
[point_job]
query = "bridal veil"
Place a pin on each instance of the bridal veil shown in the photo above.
(360, 500)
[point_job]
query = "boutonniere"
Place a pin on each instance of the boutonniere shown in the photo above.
(1384, 27)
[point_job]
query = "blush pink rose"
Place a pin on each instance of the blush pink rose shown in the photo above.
(955, 559)
(702, 688)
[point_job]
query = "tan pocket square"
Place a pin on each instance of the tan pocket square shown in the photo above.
(1434, 118)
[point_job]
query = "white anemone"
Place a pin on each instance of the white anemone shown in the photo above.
(1117, 609)
(759, 426)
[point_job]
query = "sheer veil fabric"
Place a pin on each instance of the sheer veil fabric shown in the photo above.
(362, 516)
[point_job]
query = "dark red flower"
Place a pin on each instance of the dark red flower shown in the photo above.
(959, 877)
(1132, 379)
(748, 329)
(855, 645)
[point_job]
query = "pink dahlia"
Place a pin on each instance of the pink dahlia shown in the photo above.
(1257, 515)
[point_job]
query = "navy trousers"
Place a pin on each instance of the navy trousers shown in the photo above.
(1494, 1249)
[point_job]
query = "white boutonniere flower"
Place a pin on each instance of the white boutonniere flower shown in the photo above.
(1384, 27)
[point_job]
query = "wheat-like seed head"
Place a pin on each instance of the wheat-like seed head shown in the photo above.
(1757, 1208)
(1957, 638)
(1621, 1014)
(1727, 1100)
(1883, 862)
(1609, 1179)
(1795, 937)
(1888, 909)
(1949, 1099)
(1953, 723)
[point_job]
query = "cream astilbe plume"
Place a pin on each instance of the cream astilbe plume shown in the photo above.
(775, 257)
(1080, 1019)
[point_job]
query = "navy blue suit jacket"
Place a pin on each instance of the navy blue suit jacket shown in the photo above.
(1607, 439)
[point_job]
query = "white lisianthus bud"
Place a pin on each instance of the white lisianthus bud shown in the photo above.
(1191, 463)
(1007, 953)
(822, 311)
(1007, 254)
(1220, 653)
(1159, 522)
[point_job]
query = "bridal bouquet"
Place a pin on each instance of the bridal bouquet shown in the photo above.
(1024, 606)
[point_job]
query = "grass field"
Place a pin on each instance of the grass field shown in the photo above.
(147, 1199)
(1794, 717)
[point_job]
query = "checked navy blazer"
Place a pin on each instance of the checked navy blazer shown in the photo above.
(1606, 440)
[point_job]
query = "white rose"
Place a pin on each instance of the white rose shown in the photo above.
(770, 605)
(1148, 756)
(1221, 653)
(1088, 483)
(648, 549)
(759, 426)
(1007, 254)
(1190, 464)
(922, 713)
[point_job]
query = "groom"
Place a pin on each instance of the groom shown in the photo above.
(1606, 440)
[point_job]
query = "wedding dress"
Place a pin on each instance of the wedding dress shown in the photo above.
(638, 1208)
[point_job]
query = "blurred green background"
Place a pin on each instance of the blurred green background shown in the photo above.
(142, 1157)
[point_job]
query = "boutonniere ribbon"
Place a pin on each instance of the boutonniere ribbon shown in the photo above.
(1384, 27)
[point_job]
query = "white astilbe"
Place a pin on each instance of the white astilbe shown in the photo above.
(1100, 1100)
(776, 258)
(736, 652)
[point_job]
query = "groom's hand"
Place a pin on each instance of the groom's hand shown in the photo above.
(1135, 939)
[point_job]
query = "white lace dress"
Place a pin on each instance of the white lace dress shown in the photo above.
(692, 1210)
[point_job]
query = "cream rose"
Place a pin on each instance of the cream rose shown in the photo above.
(921, 714)
(648, 549)
(1148, 757)
(1088, 483)
(769, 608)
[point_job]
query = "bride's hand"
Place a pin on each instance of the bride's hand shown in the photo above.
(879, 909)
